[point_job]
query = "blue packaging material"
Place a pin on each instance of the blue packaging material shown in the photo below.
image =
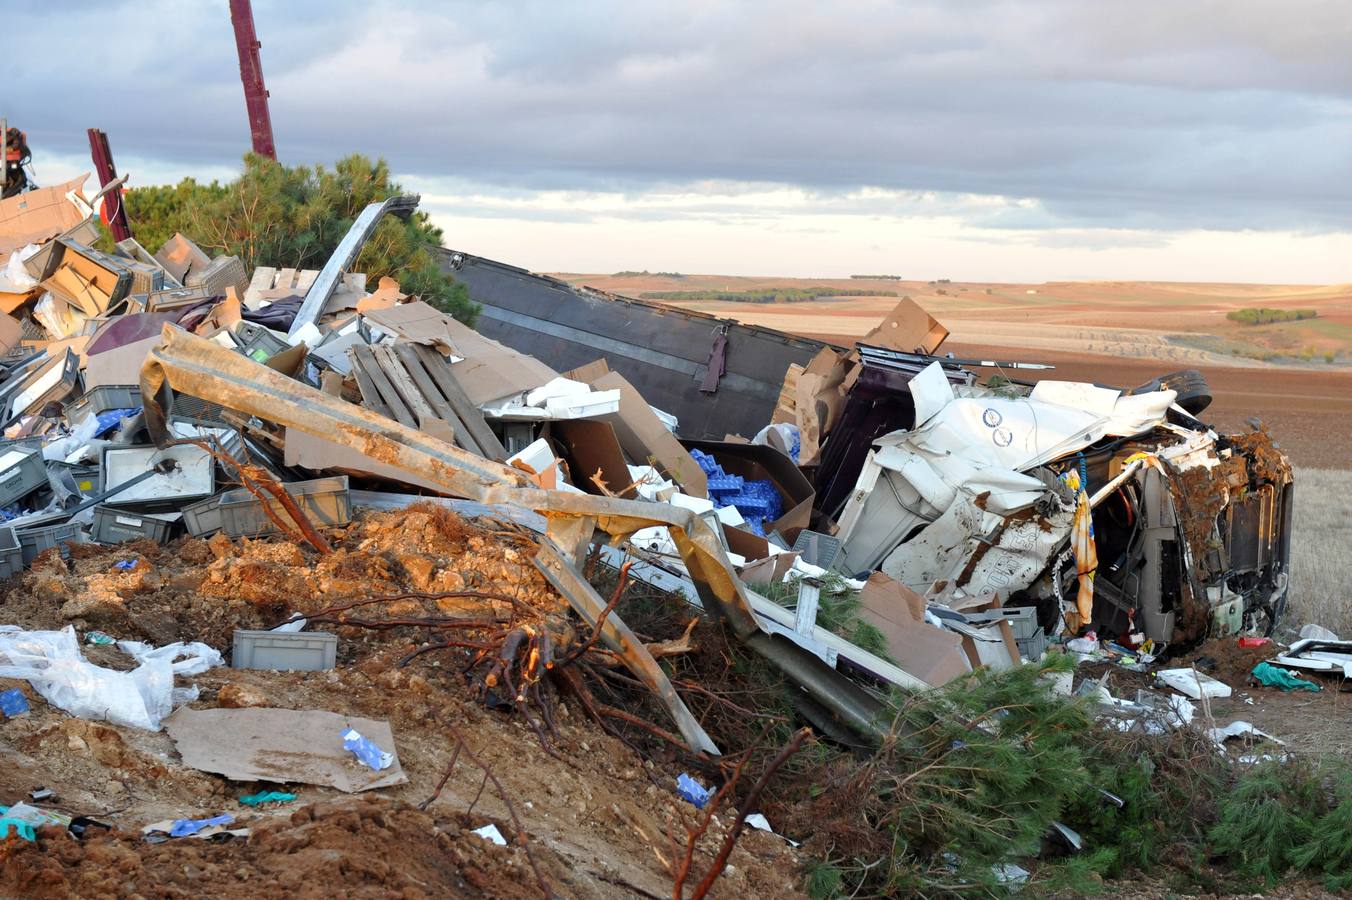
(691, 791)
(111, 418)
(266, 797)
(725, 484)
(757, 501)
(13, 703)
(185, 827)
(25, 829)
(366, 751)
(706, 462)
(125, 565)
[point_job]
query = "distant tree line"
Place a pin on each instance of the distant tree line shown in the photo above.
(767, 295)
(877, 277)
(630, 273)
(1250, 315)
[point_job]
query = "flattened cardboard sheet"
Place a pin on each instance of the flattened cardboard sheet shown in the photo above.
(282, 745)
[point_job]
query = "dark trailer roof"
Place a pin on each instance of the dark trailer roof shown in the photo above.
(663, 351)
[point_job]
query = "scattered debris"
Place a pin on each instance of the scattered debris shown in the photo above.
(203, 456)
(1193, 683)
(1270, 675)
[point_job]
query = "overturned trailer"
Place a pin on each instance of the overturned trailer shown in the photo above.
(1109, 506)
(1092, 504)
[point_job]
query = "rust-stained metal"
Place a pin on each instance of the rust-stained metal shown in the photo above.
(195, 366)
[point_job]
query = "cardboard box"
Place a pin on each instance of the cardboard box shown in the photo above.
(39, 215)
(767, 570)
(907, 329)
(931, 654)
(179, 256)
(587, 446)
(755, 462)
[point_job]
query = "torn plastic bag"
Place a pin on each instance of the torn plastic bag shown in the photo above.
(52, 662)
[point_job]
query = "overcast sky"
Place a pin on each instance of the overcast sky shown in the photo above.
(1029, 140)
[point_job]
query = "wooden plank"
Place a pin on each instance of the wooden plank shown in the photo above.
(363, 359)
(441, 373)
(305, 278)
(263, 279)
(370, 397)
(408, 390)
(429, 390)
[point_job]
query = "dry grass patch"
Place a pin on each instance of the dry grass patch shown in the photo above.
(1321, 551)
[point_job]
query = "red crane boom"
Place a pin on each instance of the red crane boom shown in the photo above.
(251, 73)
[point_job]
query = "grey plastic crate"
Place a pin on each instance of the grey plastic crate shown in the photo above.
(1028, 634)
(257, 343)
(85, 479)
(193, 479)
(1032, 648)
(11, 553)
(103, 398)
(203, 518)
(22, 470)
(218, 436)
(113, 526)
(305, 651)
(34, 540)
(325, 501)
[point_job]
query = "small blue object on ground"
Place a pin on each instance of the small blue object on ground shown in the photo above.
(13, 703)
(691, 791)
(366, 751)
(186, 827)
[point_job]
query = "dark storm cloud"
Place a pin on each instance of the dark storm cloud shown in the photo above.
(1151, 114)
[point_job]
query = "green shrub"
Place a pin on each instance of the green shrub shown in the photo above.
(1264, 316)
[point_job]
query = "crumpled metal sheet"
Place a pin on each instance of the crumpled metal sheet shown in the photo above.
(979, 551)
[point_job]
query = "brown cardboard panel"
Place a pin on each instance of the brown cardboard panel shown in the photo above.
(932, 654)
(10, 301)
(385, 295)
(769, 570)
(587, 446)
(282, 745)
(590, 372)
(907, 328)
(745, 544)
(646, 440)
(819, 399)
(37, 216)
(11, 332)
(179, 256)
(756, 462)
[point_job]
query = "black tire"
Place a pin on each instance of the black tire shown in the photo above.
(1194, 394)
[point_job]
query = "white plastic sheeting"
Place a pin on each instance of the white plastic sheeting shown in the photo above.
(52, 662)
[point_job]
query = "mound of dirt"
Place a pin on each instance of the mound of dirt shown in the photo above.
(602, 820)
(352, 848)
